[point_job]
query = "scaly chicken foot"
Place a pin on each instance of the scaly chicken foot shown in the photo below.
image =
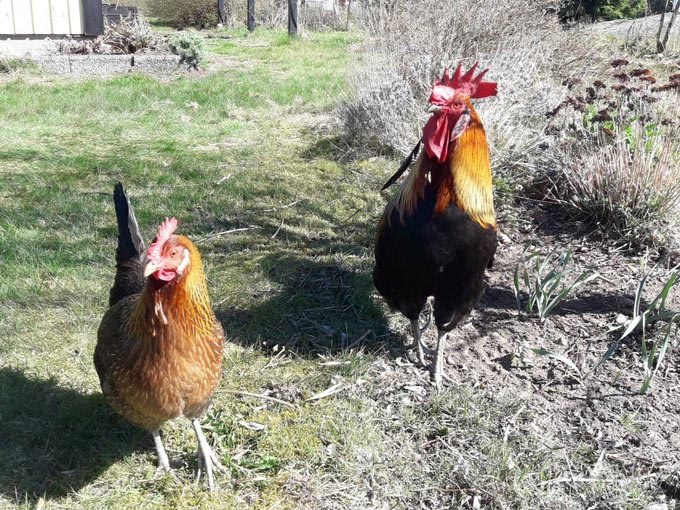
(207, 460)
(417, 331)
(437, 365)
(417, 339)
(163, 460)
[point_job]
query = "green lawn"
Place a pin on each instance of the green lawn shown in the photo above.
(245, 147)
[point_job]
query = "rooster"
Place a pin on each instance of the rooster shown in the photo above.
(438, 233)
(159, 346)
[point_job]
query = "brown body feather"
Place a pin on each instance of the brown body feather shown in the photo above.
(159, 352)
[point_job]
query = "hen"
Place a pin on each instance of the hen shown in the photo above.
(159, 346)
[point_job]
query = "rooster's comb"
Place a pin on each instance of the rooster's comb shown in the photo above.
(166, 229)
(468, 84)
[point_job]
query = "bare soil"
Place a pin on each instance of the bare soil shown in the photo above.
(628, 434)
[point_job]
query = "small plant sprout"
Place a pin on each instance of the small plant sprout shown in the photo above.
(543, 279)
(652, 350)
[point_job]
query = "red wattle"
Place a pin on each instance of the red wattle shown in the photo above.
(436, 137)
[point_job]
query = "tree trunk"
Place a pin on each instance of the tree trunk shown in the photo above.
(221, 12)
(659, 46)
(670, 24)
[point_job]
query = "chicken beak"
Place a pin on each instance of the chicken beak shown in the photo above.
(151, 268)
(434, 109)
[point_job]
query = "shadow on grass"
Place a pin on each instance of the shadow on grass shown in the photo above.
(320, 308)
(55, 440)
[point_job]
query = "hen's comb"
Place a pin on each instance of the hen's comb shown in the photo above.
(468, 84)
(166, 229)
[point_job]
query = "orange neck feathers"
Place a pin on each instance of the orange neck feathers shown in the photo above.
(464, 179)
(176, 309)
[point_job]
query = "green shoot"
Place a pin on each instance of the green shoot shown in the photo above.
(653, 351)
(544, 281)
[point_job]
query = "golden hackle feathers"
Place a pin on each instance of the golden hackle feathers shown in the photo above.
(410, 191)
(181, 304)
(463, 180)
(470, 166)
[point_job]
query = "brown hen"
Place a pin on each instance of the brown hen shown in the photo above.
(159, 346)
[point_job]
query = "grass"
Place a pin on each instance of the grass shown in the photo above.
(248, 158)
(229, 150)
(10, 65)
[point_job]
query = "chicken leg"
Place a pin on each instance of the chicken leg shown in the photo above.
(206, 457)
(163, 460)
(418, 339)
(437, 365)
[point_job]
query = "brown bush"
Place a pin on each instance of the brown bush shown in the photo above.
(183, 13)
(409, 46)
(620, 143)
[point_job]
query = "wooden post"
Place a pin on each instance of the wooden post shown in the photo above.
(221, 12)
(292, 18)
(251, 15)
(93, 17)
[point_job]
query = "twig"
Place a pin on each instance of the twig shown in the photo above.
(277, 230)
(358, 340)
(336, 388)
(225, 232)
(256, 395)
(292, 204)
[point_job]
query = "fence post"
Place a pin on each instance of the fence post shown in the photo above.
(221, 12)
(93, 17)
(251, 15)
(292, 17)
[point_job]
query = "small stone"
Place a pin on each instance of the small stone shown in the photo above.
(497, 337)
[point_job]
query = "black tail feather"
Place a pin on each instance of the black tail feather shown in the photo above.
(131, 249)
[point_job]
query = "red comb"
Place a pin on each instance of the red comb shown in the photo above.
(472, 86)
(166, 229)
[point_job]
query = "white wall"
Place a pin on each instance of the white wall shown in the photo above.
(43, 17)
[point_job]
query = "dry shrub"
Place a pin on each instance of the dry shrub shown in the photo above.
(317, 16)
(268, 13)
(620, 138)
(274, 14)
(409, 45)
(628, 186)
(132, 34)
(203, 13)
(184, 13)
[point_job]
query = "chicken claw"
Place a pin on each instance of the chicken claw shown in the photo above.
(207, 460)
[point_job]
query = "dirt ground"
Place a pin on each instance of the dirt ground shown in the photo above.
(634, 435)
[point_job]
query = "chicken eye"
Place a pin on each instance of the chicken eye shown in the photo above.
(173, 252)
